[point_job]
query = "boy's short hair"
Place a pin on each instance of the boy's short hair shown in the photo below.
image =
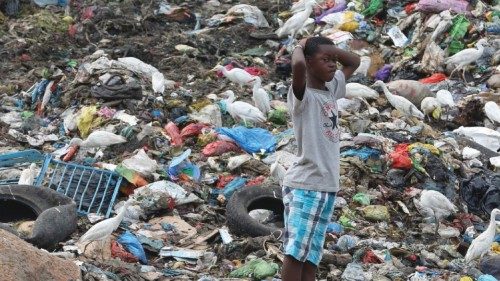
(313, 43)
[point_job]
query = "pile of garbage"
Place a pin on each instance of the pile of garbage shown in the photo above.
(166, 124)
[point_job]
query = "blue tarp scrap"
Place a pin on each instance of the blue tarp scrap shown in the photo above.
(132, 244)
(363, 153)
(251, 140)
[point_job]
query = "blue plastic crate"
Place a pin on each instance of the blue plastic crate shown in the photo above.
(93, 190)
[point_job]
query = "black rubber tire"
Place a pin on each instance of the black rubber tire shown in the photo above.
(56, 213)
(247, 199)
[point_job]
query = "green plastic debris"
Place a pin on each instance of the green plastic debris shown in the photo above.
(455, 46)
(27, 114)
(257, 269)
(374, 8)
(72, 63)
(345, 222)
(278, 116)
(376, 213)
(361, 198)
(459, 27)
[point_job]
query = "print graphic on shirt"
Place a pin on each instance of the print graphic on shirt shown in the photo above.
(330, 121)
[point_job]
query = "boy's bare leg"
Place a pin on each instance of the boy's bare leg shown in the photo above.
(308, 272)
(292, 269)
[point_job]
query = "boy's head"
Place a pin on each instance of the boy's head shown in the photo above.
(321, 58)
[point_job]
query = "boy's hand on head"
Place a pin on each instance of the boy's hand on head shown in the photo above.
(302, 42)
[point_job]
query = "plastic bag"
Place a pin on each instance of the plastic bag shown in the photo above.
(437, 6)
(236, 161)
(347, 242)
(432, 61)
(154, 196)
(209, 114)
(434, 78)
(484, 136)
(335, 228)
(361, 198)
(259, 269)
(373, 8)
(251, 14)
(251, 140)
(141, 163)
(363, 153)
(219, 147)
(181, 165)
(117, 251)
(384, 73)
(174, 134)
(233, 185)
(87, 120)
(192, 130)
(129, 241)
(131, 176)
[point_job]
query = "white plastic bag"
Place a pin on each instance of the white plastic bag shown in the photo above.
(251, 14)
(484, 136)
(141, 163)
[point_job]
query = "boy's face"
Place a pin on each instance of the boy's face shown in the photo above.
(323, 64)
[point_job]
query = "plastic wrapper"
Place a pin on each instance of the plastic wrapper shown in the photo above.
(131, 176)
(252, 140)
(132, 244)
(174, 134)
(141, 163)
(376, 213)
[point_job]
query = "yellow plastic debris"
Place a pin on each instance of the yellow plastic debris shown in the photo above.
(349, 26)
(466, 278)
(495, 248)
(430, 147)
(87, 120)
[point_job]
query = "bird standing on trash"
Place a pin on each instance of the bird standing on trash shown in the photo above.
(260, 97)
(28, 175)
(438, 203)
(492, 111)
(430, 105)
(98, 139)
(295, 23)
(466, 57)
(240, 110)
(480, 246)
(236, 75)
(103, 229)
(400, 103)
(356, 90)
(445, 99)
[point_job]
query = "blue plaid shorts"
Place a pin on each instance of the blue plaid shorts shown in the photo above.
(307, 214)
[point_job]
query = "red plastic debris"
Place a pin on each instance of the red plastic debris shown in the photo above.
(173, 132)
(117, 251)
(370, 257)
(434, 78)
(192, 130)
(71, 152)
(223, 181)
(219, 147)
(400, 157)
(256, 181)
(88, 13)
(410, 8)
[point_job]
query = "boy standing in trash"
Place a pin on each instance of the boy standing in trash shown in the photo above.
(311, 183)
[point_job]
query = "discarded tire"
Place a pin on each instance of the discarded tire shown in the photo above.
(55, 213)
(251, 198)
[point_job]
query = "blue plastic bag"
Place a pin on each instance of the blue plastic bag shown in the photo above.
(334, 227)
(363, 153)
(251, 140)
(233, 185)
(182, 165)
(132, 244)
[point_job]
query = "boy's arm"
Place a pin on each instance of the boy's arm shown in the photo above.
(349, 61)
(299, 70)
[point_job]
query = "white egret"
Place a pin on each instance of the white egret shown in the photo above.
(356, 90)
(260, 97)
(430, 105)
(400, 103)
(296, 22)
(492, 111)
(101, 230)
(236, 75)
(28, 175)
(466, 57)
(438, 203)
(240, 110)
(481, 245)
(445, 99)
(98, 139)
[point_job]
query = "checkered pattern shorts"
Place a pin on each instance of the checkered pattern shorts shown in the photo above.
(307, 214)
